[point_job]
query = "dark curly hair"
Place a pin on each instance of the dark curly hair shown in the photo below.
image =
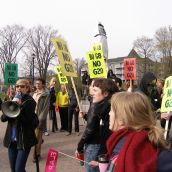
(106, 85)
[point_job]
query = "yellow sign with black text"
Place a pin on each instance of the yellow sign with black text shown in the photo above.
(166, 105)
(96, 64)
(64, 57)
(62, 78)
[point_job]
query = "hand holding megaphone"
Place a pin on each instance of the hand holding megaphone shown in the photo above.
(17, 98)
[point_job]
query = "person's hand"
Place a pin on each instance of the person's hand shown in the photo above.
(93, 164)
(17, 98)
(165, 115)
(130, 88)
(76, 153)
(81, 114)
(56, 108)
(77, 109)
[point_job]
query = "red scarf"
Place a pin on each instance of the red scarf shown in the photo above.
(137, 153)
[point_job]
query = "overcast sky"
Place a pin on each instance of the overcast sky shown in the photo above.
(77, 20)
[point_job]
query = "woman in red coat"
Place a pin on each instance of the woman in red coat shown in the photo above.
(137, 143)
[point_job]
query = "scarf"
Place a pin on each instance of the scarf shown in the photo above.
(137, 153)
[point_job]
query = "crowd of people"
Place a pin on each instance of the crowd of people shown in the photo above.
(121, 123)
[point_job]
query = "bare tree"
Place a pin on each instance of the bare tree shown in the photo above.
(12, 40)
(79, 63)
(163, 38)
(145, 47)
(40, 45)
(27, 69)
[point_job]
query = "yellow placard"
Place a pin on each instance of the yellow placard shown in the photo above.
(166, 105)
(64, 57)
(96, 64)
(97, 46)
(62, 78)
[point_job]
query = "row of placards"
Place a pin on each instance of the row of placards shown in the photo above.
(96, 66)
(95, 60)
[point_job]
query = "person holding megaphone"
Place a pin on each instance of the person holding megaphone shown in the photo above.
(20, 135)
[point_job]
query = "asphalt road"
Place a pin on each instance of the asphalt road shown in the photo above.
(58, 141)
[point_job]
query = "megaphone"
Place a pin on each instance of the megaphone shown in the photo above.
(11, 109)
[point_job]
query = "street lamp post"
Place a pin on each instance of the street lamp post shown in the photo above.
(33, 59)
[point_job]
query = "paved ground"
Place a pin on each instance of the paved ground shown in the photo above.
(58, 140)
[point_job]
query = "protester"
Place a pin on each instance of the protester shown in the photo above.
(85, 83)
(20, 135)
(85, 78)
(118, 82)
(62, 101)
(42, 105)
(157, 94)
(111, 75)
(10, 94)
(73, 110)
(97, 129)
(137, 143)
(52, 112)
(147, 83)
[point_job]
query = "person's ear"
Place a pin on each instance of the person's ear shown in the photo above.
(106, 94)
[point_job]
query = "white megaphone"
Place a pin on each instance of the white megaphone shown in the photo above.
(12, 108)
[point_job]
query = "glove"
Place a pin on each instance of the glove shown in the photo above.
(17, 97)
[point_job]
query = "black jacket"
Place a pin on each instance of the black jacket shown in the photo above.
(72, 99)
(144, 83)
(52, 98)
(97, 129)
(25, 134)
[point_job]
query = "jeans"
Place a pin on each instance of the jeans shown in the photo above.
(90, 154)
(17, 158)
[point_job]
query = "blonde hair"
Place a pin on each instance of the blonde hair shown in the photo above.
(134, 110)
(51, 83)
(24, 82)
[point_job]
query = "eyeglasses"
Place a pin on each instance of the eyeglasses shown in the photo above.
(21, 86)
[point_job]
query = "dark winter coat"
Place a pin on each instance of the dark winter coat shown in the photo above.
(147, 78)
(85, 79)
(97, 129)
(25, 132)
(52, 98)
(144, 83)
(72, 99)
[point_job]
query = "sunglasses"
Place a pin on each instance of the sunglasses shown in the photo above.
(21, 86)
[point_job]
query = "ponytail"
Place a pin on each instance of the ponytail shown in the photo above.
(156, 136)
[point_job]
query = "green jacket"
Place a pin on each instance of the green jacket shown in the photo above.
(42, 109)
